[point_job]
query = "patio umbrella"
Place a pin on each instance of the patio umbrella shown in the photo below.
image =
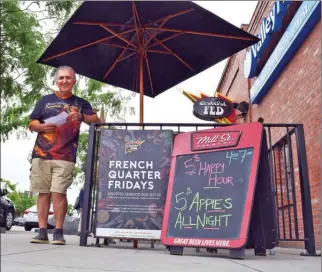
(144, 46)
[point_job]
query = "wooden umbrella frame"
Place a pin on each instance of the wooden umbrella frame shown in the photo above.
(141, 46)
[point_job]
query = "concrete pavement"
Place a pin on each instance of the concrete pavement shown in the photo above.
(17, 254)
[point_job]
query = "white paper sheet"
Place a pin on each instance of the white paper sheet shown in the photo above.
(59, 119)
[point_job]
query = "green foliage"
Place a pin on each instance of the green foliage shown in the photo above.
(104, 97)
(21, 200)
(20, 47)
(79, 172)
(70, 209)
(23, 81)
(27, 28)
(8, 185)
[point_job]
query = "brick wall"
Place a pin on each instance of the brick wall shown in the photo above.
(295, 97)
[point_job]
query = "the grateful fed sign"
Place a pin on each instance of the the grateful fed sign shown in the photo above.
(211, 108)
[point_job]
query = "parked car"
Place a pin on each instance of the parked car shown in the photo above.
(7, 210)
(30, 217)
(18, 221)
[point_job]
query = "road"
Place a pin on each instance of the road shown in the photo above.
(17, 254)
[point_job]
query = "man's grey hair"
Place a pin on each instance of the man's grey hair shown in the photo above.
(63, 68)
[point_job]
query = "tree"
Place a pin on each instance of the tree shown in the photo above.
(70, 209)
(22, 41)
(27, 28)
(8, 185)
(21, 200)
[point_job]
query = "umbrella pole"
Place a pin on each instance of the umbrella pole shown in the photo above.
(141, 89)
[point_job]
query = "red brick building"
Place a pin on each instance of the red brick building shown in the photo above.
(281, 80)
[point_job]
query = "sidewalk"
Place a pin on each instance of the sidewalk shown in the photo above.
(17, 254)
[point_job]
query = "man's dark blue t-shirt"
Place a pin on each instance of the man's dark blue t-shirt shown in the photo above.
(61, 144)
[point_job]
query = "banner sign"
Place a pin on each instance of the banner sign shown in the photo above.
(305, 19)
(271, 24)
(134, 168)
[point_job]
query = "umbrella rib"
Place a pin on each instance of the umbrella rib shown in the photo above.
(86, 45)
(118, 46)
(118, 36)
(135, 20)
(135, 13)
(174, 54)
(118, 58)
(149, 71)
(201, 33)
(170, 16)
(158, 51)
(100, 23)
(155, 33)
(167, 19)
(165, 39)
(128, 56)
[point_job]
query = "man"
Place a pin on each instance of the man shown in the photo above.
(54, 153)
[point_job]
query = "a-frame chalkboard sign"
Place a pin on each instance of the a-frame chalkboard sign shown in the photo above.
(212, 188)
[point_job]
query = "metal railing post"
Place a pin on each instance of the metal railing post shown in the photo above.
(305, 193)
(88, 186)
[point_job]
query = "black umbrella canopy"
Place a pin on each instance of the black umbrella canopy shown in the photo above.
(146, 46)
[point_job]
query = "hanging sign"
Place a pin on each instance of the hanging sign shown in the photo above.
(211, 108)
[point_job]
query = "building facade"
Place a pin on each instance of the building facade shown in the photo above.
(280, 77)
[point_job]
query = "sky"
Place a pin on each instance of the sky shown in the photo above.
(168, 107)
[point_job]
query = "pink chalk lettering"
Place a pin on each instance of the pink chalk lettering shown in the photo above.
(205, 168)
(215, 180)
(191, 166)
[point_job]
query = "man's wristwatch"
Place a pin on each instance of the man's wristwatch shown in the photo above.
(82, 117)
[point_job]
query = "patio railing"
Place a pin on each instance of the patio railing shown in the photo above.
(288, 166)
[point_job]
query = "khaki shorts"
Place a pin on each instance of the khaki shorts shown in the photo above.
(51, 176)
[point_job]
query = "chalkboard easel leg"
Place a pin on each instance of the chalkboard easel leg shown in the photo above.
(97, 243)
(135, 243)
(260, 251)
(176, 250)
(237, 253)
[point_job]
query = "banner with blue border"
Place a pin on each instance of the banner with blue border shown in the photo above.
(302, 24)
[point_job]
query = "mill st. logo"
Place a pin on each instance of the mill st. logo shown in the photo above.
(214, 139)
